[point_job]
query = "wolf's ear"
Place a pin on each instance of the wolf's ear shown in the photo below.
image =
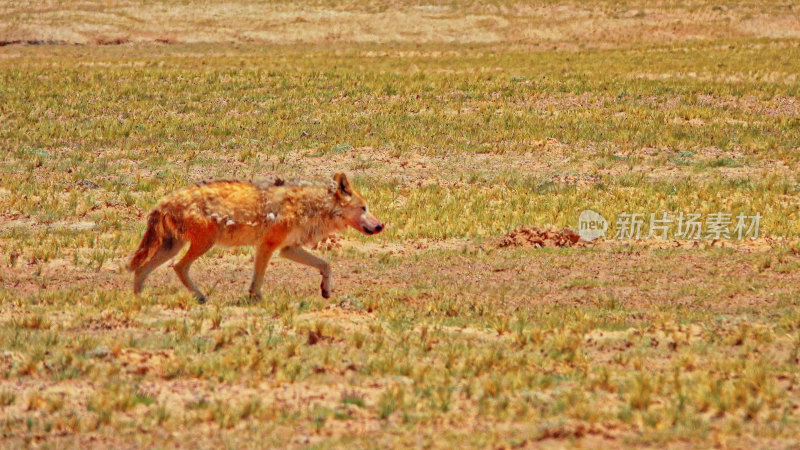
(343, 183)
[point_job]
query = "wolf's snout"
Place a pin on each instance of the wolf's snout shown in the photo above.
(375, 230)
(372, 228)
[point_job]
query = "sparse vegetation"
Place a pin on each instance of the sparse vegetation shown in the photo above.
(434, 337)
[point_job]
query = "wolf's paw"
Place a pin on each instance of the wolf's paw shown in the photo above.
(255, 296)
(326, 286)
(200, 299)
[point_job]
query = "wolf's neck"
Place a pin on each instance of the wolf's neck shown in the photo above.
(316, 215)
(319, 206)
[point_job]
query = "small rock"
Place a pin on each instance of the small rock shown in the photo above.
(100, 352)
(87, 184)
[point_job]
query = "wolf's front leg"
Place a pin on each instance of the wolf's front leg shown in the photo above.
(263, 254)
(301, 256)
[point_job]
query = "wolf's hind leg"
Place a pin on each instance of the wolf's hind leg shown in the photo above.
(301, 256)
(169, 248)
(196, 250)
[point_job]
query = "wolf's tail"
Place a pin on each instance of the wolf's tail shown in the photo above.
(153, 238)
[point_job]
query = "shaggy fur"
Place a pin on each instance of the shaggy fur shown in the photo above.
(273, 215)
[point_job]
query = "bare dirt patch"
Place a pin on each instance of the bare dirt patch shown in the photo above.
(244, 21)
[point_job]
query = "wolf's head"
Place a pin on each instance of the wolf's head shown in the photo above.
(354, 207)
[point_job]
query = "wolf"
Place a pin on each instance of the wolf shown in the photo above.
(272, 215)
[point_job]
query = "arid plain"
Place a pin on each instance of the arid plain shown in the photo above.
(471, 128)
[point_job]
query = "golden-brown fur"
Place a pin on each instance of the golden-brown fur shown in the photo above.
(273, 215)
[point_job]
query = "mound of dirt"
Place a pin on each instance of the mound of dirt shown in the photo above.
(535, 237)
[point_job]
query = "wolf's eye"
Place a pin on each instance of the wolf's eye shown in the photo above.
(364, 208)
